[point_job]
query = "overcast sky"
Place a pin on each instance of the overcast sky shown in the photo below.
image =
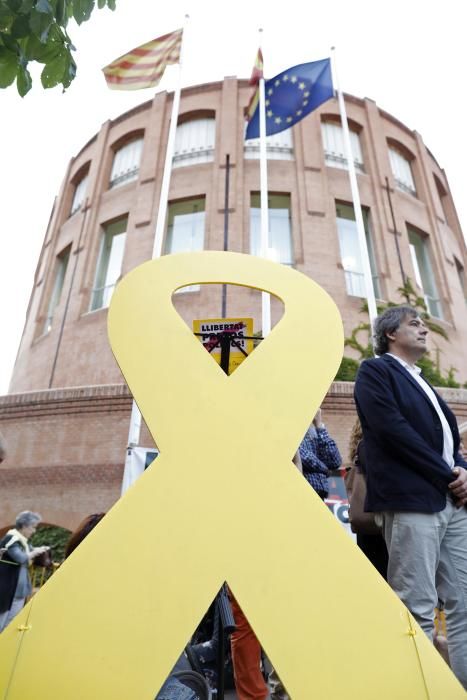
(408, 56)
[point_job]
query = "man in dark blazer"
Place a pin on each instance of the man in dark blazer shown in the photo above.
(416, 479)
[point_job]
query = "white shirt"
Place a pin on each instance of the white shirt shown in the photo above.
(448, 440)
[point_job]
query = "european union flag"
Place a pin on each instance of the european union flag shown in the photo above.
(292, 95)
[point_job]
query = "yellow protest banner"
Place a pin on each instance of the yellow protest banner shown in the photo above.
(239, 332)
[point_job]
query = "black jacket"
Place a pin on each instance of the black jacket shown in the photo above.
(403, 440)
(9, 573)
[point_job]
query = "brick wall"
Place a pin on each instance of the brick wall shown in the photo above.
(66, 447)
(65, 452)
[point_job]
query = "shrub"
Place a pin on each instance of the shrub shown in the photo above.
(53, 536)
(347, 371)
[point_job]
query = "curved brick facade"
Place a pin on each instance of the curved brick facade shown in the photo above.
(66, 422)
(66, 447)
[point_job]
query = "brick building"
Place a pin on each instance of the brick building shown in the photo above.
(66, 418)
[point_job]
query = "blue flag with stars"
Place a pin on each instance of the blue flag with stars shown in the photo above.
(292, 95)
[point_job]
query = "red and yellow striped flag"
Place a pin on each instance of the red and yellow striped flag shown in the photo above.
(256, 76)
(144, 66)
(257, 72)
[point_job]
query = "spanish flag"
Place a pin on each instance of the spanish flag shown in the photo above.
(144, 66)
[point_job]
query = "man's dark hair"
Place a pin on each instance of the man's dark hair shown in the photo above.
(388, 322)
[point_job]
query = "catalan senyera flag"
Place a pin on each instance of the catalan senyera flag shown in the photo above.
(256, 76)
(144, 66)
(291, 95)
(257, 72)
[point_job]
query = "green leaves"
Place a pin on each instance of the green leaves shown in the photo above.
(59, 70)
(23, 80)
(20, 27)
(54, 537)
(40, 23)
(44, 7)
(82, 10)
(14, 5)
(61, 16)
(35, 30)
(8, 67)
(347, 371)
(360, 340)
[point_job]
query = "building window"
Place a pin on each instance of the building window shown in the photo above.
(461, 276)
(79, 194)
(402, 170)
(350, 251)
(109, 264)
(446, 204)
(280, 229)
(423, 271)
(61, 265)
(185, 230)
(278, 146)
(194, 142)
(126, 162)
(333, 143)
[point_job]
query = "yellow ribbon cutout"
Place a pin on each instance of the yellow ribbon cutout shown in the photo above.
(223, 502)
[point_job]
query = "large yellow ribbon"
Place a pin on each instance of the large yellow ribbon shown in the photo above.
(223, 502)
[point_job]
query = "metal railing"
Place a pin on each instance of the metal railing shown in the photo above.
(41, 574)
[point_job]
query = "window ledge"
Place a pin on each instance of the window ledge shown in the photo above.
(123, 179)
(335, 161)
(189, 289)
(405, 189)
(40, 338)
(92, 312)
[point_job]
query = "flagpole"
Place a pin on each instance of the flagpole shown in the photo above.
(263, 169)
(367, 276)
(134, 430)
(162, 211)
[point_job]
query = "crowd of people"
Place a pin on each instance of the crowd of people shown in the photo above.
(405, 448)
